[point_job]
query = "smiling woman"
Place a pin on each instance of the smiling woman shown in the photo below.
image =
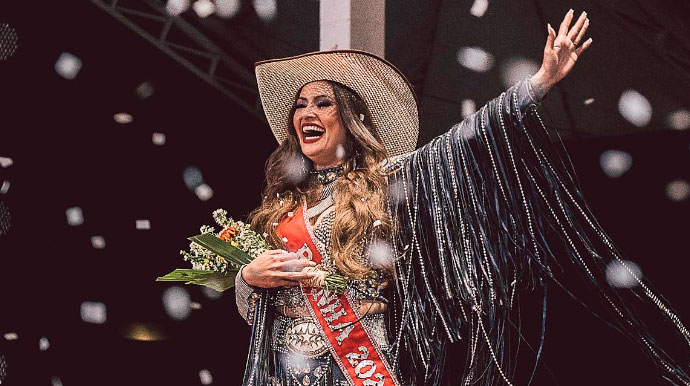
(437, 243)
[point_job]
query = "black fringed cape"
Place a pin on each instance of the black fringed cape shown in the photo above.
(475, 213)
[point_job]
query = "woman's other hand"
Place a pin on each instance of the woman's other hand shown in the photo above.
(277, 268)
(561, 52)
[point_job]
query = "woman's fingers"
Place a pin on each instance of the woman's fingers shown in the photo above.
(286, 256)
(565, 24)
(583, 47)
(273, 252)
(296, 276)
(580, 35)
(572, 34)
(551, 37)
(296, 265)
(561, 42)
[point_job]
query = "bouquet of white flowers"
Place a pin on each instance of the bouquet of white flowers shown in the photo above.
(217, 257)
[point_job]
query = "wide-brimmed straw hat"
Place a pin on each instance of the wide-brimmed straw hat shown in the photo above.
(385, 90)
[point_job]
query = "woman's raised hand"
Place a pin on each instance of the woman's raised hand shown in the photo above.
(561, 52)
(277, 268)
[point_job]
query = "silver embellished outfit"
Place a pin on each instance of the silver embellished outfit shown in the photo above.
(301, 352)
(481, 213)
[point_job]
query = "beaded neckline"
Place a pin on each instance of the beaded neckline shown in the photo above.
(326, 176)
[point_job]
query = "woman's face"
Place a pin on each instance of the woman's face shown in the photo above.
(317, 123)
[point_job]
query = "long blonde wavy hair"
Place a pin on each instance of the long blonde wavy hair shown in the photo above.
(360, 195)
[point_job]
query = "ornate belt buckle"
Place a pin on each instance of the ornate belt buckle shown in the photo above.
(302, 337)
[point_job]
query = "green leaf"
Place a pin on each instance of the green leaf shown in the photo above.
(233, 255)
(214, 280)
(184, 275)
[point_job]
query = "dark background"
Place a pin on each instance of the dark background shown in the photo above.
(68, 151)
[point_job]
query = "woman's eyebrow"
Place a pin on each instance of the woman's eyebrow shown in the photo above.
(316, 97)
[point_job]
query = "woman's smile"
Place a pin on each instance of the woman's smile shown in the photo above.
(312, 133)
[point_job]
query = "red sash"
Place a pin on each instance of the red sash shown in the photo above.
(349, 341)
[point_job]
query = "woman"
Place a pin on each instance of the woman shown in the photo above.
(435, 242)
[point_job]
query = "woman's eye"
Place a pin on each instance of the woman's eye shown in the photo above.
(324, 104)
(300, 105)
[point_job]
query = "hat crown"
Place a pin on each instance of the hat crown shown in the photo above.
(386, 92)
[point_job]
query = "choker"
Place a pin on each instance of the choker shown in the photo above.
(326, 176)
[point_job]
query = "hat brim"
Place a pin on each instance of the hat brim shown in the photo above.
(385, 90)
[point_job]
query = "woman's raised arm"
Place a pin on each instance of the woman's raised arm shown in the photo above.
(491, 208)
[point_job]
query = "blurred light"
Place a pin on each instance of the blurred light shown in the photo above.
(340, 151)
(635, 108)
(615, 163)
(468, 107)
(479, 7)
(43, 343)
(68, 65)
(396, 192)
(195, 305)
(589, 101)
(678, 190)
(295, 170)
(74, 216)
(176, 7)
(6, 162)
(204, 192)
(144, 90)
(98, 242)
(56, 381)
(211, 293)
(227, 8)
(678, 120)
(123, 118)
(265, 9)
(205, 377)
(158, 139)
(203, 8)
(4, 187)
(192, 177)
(298, 361)
(93, 312)
(176, 302)
(517, 69)
(11, 336)
(475, 58)
(8, 41)
(380, 254)
(466, 131)
(143, 224)
(294, 265)
(143, 332)
(623, 275)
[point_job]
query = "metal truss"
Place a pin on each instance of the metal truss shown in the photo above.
(188, 46)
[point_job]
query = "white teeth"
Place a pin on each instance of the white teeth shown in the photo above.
(312, 128)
